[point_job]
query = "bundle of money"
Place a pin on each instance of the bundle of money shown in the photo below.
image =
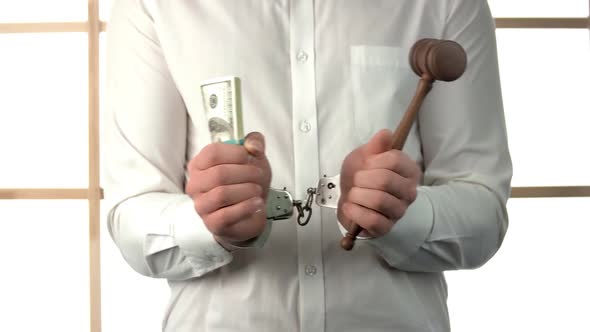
(223, 108)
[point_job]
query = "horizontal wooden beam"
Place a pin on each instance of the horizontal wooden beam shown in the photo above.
(548, 192)
(517, 192)
(43, 27)
(47, 27)
(46, 193)
(501, 23)
(542, 23)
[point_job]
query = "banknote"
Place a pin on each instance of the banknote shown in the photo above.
(223, 108)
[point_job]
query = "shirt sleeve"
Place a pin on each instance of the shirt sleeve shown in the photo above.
(459, 219)
(150, 219)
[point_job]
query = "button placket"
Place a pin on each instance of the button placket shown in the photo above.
(306, 153)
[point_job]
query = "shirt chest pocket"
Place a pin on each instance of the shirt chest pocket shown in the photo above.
(383, 85)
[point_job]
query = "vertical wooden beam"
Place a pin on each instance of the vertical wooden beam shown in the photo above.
(94, 27)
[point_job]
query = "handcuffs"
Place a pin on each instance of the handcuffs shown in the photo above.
(280, 204)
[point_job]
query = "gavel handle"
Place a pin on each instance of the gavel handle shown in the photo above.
(399, 139)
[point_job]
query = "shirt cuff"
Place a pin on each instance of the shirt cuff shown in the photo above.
(257, 242)
(195, 240)
(408, 234)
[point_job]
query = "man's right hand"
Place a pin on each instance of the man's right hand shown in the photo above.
(229, 184)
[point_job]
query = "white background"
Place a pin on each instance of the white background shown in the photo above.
(537, 282)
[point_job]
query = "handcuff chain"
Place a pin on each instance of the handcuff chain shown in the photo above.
(305, 211)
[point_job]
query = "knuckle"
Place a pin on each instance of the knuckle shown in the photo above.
(394, 158)
(255, 173)
(373, 161)
(216, 176)
(211, 153)
(357, 178)
(384, 182)
(399, 210)
(382, 201)
(199, 208)
(256, 189)
(213, 225)
(194, 185)
(190, 186)
(348, 210)
(219, 196)
(202, 158)
(222, 217)
(353, 194)
(371, 223)
(218, 224)
(191, 167)
(239, 154)
(376, 159)
(395, 155)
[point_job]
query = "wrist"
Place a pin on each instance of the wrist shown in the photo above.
(231, 246)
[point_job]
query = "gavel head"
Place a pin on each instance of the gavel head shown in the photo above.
(440, 60)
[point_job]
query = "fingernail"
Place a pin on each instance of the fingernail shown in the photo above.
(258, 204)
(254, 146)
(257, 145)
(259, 189)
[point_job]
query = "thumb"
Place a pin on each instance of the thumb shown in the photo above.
(379, 143)
(254, 144)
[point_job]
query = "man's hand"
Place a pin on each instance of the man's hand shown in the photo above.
(378, 184)
(228, 184)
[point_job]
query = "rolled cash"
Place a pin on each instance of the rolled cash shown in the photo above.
(223, 108)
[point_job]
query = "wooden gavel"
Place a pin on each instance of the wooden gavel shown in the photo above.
(432, 60)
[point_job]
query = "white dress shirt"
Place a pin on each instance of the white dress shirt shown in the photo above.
(319, 78)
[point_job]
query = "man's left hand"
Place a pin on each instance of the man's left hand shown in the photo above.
(378, 184)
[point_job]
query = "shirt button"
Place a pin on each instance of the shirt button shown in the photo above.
(310, 270)
(305, 126)
(302, 57)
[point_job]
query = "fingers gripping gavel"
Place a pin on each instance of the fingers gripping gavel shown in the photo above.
(432, 60)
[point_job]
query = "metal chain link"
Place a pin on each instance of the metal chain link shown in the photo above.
(304, 212)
